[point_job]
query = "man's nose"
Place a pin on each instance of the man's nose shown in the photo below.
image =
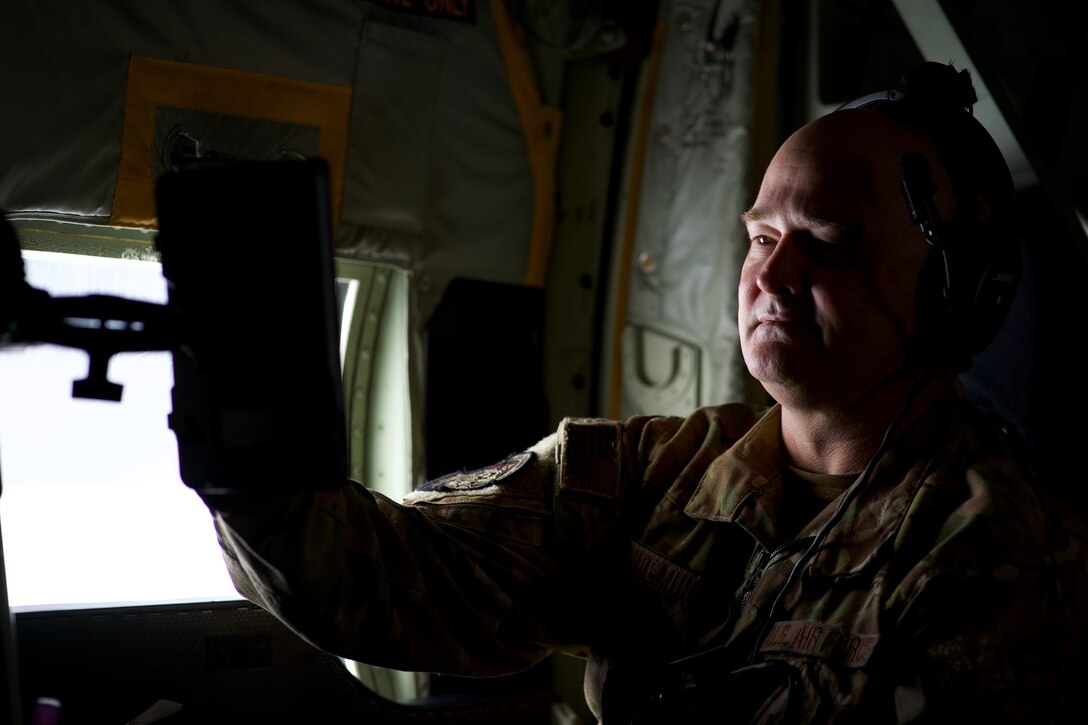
(783, 270)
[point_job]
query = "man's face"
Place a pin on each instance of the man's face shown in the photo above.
(828, 288)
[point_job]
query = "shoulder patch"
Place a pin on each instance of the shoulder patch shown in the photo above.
(481, 477)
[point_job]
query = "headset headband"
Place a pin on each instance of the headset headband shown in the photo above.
(880, 97)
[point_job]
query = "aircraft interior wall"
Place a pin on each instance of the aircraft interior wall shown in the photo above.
(535, 213)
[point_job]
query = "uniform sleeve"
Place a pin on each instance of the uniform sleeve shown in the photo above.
(482, 572)
(996, 629)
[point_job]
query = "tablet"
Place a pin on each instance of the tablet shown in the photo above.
(246, 250)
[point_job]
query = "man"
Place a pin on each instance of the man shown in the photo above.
(868, 549)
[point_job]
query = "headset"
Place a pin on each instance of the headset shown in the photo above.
(971, 276)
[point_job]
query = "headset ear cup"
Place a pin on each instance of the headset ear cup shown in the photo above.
(933, 326)
(959, 318)
(996, 282)
(984, 273)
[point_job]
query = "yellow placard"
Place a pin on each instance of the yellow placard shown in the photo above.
(154, 82)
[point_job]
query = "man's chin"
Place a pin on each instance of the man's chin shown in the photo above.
(781, 361)
(783, 376)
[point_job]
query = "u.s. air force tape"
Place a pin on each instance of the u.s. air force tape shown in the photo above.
(589, 457)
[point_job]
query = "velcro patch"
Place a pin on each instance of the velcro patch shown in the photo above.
(479, 478)
(462, 10)
(817, 639)
(589, 457)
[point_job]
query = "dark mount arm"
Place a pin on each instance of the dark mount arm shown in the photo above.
(102, 325)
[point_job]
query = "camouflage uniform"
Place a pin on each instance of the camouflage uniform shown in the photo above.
(952, 585)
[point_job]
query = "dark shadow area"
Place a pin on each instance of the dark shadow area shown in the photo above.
(223, 662)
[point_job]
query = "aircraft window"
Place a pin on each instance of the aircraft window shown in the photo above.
(374, 355)
(373, 303)
(93, 510)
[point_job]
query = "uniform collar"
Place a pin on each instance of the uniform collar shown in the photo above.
(744, 486)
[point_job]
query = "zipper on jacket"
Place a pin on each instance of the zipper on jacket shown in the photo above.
(762, 563)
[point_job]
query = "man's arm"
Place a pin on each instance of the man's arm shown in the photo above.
(471, 580)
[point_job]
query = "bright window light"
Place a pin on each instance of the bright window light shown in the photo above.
(93, 510)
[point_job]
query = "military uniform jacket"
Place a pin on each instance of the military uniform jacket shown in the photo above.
(952, 586)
